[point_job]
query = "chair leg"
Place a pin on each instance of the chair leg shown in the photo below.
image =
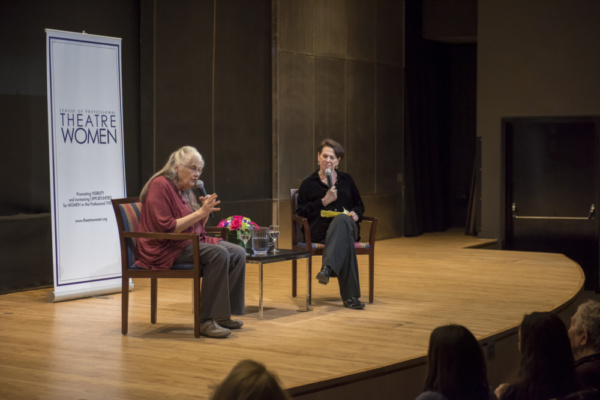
(124, 305)
(197, 307)
(153, 297)
(371, 276)
(294, 277)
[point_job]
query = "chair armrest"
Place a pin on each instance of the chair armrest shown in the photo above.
(222, 231)
(306, 229)
(161, 235)
(373, 232)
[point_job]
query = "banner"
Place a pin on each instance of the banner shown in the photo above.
(87, 162)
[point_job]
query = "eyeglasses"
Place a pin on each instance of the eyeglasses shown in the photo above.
(194, 169)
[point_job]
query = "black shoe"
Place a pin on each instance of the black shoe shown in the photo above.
(324, 275)
(354, 303)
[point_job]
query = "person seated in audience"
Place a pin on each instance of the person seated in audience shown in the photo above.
(546, 367)
(584, 334)
(250, 380)
(169, 205)
(457, 369)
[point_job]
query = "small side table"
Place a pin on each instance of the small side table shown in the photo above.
(282, 255)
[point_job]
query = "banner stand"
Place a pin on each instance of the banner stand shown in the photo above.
(87, 162)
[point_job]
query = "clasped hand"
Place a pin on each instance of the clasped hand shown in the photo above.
(330, 196)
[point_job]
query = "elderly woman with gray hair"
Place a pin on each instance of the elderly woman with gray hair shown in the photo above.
(584, 335)
(169, 205)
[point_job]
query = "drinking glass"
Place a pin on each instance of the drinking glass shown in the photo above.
(274, 234)
(245, 235)
(260, 241)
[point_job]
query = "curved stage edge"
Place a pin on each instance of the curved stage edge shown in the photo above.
(546, 282)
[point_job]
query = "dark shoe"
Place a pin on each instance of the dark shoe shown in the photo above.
(212, 329)
(324, 275)
(354, 303)
(230, 323)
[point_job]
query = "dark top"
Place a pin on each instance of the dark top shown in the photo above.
(588, 370)
(312, 191)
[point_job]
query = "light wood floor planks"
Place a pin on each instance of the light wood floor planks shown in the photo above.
(74, 349)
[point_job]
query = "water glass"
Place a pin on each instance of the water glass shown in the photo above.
(260, 241)
(274, 233)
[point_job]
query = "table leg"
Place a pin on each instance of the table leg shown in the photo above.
(260, 291)
(309, 283)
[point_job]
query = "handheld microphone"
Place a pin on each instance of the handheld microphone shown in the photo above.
(200, 186)
(328, 174)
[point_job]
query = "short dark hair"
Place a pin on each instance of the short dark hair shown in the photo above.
(250, 380)
(337, 148)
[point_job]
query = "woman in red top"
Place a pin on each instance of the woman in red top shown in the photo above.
(169, 205)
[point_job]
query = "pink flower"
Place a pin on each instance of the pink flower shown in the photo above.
(236, 224)
(223, 223)
(255, 225)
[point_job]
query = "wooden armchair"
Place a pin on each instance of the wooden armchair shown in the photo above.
(301, 241)
(127, 212)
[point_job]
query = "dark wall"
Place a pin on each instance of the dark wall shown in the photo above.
(210, 87)
(24, 138)
(534, 58)
(25, 250)
(339, 74)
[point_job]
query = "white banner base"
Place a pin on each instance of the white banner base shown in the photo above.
(81, 292)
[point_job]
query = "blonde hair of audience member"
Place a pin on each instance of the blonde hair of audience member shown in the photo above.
(181, 156)
(250, 380)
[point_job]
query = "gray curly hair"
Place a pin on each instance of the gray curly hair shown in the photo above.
(587, 318)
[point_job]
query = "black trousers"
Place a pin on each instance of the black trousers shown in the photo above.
(339, 254)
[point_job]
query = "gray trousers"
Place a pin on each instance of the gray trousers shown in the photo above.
(223, 269)
(339, 254)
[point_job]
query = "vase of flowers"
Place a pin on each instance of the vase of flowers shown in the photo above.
(237, 224)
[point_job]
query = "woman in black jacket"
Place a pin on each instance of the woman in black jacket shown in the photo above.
(330, 190)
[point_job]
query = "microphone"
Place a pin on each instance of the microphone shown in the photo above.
(200, 186)
(328, 174)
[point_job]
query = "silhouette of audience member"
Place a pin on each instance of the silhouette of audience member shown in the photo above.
(457, 369)
(250, 380)
(584, 334)
(546, 367)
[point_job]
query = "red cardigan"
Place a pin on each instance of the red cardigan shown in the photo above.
(161, 208)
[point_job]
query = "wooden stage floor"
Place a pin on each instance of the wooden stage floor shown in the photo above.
(75, 350)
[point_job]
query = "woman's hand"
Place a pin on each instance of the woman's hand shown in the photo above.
(209, 204)
(500, 390)
(353, 215)
(330, 196)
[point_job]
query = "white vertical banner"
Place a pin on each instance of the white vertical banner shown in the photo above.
(87, 161)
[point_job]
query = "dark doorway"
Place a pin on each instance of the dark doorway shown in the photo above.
(551, 188)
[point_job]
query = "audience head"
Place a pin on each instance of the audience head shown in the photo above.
(546, 366)
(584, 332)
(250, 380)
(457, 367)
